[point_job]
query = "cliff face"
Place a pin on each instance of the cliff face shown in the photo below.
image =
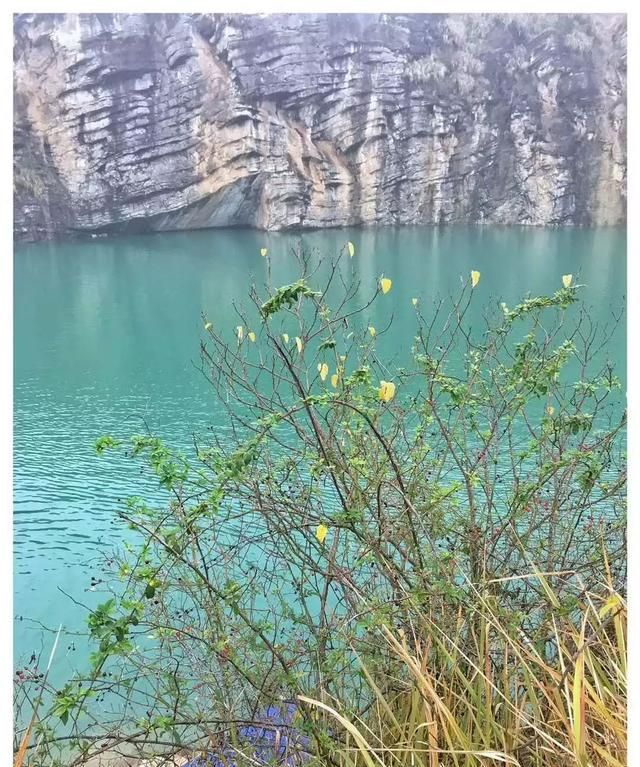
(145, 122)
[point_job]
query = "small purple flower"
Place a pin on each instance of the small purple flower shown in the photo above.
(269, 743)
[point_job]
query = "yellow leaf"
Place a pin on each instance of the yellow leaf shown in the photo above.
(351, 248)
(550, 410)
(612, 604)
(414, 301)
(207, 326)
(251, 336)
(240, 332)
(475, 278)
(285, 338)
(387, 391)
(372, 330)
(334, 380)
(321, 532)
(324, 370)
(263, 252)
(299, 345)
(567, 280)
(385, 284)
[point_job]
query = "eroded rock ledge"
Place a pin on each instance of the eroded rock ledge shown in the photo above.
(145, 122)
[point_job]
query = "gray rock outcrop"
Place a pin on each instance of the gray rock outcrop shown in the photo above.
(157, 122)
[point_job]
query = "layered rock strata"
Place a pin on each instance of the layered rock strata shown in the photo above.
(159, 122)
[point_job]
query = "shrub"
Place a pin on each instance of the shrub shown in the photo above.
(428, 558)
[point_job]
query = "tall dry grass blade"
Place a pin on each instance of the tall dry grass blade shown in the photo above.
(26, 738)
(24, 744)
(451, 729)
(378, 693)
(363, 746)
(578, 699)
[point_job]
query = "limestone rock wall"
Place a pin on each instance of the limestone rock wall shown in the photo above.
(155, 122)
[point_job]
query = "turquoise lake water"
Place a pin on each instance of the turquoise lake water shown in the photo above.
(106, 340)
